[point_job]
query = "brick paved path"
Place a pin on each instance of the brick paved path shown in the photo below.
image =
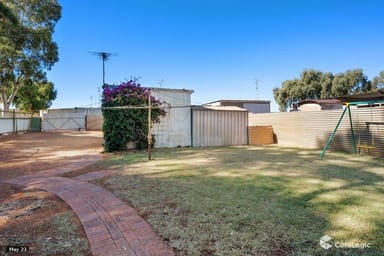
(112, 227)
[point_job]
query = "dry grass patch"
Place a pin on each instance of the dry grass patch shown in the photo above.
(255, 201)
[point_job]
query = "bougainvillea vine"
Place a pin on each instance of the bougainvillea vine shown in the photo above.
(129, 123)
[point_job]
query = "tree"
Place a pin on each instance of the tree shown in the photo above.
(311, 80)
(27, 50)
(34, 97)
(292, 91)
(326, 85)
(280, 98)
(350, 82)
(314, 84)
(378, 81)
(6, 15)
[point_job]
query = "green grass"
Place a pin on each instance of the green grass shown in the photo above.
(255, 201)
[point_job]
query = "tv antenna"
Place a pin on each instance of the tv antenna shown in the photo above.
(161, 83)
(257, 88)
(105, 56)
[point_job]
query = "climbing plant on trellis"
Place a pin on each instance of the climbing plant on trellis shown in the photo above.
(125, 111)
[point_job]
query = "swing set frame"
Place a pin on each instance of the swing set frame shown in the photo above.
(348, 109)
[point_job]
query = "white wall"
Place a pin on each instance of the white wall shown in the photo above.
(310, 107)
(175, 128)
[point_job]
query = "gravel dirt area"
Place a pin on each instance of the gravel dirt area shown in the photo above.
(36, 218)
(22, 154)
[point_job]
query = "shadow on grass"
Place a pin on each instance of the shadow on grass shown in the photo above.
(256, 201)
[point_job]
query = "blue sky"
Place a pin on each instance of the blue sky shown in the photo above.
(216, 48)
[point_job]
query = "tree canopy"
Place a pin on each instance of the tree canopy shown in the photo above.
(36, 96)
(378, 81)
(314, 84)
(27, 49)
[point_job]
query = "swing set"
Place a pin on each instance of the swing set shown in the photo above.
(365, 143)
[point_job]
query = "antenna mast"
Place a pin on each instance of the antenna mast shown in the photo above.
(161, 82)
(257, 88)
(105, 56)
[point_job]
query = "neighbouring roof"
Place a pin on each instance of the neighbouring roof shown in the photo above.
(218, 108)
(320, 101)
(241, 101)
(364, 97)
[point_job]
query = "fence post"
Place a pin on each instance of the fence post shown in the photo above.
(149, 125)
(14, 122)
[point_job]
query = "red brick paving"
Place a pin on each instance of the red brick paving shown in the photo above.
(94, 175)
(112, 227)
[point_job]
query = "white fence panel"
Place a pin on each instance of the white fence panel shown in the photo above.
(23, 124)
(6, 125)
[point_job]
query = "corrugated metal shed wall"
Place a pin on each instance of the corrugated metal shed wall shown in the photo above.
(312, 129)
(219, 128)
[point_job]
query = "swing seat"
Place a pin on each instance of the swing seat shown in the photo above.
(366, 146)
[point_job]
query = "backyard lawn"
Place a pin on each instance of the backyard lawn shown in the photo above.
(255, 200)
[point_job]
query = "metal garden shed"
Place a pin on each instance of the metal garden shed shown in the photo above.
(219, 126)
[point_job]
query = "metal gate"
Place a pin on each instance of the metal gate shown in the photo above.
(63, 122)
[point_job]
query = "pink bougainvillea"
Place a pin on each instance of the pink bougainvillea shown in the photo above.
(129, 123)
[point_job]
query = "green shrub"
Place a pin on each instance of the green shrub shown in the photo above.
(129, 123)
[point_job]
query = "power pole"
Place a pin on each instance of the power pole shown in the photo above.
(149, 125)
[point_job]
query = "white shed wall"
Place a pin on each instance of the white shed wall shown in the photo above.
(175, 128)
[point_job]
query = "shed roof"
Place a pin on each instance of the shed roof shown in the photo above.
(218, 108)
(241, 101)
(169, 89)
